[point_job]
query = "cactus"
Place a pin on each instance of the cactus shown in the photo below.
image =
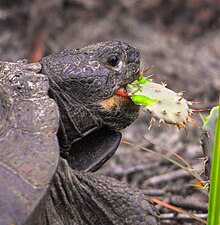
(162, 103)
(208, 135)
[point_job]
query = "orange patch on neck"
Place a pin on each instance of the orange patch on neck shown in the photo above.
(108, 103)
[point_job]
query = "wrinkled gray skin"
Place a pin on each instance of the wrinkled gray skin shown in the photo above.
(38, 186)
(80, 78)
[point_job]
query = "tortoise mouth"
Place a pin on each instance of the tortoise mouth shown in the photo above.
(121, 92)
(120, 99)
(118, 111)
(120, 95)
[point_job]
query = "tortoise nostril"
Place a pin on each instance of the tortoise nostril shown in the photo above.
(137, 60)
(133, 56)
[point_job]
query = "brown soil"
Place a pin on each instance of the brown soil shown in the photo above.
(179, 37)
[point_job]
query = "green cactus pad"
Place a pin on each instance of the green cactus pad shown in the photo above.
(208, 135)
(161, 102)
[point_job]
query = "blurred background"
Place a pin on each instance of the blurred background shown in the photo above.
(180, 38)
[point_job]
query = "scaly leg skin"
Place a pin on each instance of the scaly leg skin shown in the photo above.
(95, 200)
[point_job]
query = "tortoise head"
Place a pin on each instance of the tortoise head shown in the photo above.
(85, 83)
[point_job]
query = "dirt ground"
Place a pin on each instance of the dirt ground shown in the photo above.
(180, 38)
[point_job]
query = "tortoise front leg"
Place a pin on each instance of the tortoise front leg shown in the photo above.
(82, 198)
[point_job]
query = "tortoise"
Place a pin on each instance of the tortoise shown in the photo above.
(59, 123)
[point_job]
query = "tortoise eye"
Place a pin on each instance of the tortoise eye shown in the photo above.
(113, 60)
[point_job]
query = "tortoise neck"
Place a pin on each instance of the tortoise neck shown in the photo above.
(75, 119)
